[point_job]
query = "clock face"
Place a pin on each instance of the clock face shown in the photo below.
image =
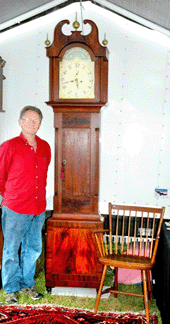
(76, 75)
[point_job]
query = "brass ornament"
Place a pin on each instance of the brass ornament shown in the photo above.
(2, 62)
(76, 24)
(105, 41)
(47, 42)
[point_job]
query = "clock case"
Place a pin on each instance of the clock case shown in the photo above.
(71, 252)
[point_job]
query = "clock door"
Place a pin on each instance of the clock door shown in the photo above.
(76, 182)
(78, 171)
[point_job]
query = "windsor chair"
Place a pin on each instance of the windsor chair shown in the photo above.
(131, 242)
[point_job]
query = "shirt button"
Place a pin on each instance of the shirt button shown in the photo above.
(35, 197)
(31, 148)
(36, 176)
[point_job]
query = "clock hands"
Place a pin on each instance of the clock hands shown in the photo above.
(68, 81)
(76, 80)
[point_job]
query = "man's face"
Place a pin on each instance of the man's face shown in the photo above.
(30, 122)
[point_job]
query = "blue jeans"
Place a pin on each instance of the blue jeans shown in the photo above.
(21, 233)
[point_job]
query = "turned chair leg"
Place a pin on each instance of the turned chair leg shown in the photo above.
(116, 281)
(149, 285)
(145, 289)
(100, 288)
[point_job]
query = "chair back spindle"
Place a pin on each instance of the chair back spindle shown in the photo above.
(134, 230)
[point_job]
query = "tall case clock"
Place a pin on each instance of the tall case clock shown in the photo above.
(78, 85)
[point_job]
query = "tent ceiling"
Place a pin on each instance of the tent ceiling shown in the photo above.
(155, 11)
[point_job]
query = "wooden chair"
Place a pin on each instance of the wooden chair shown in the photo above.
(135, 232)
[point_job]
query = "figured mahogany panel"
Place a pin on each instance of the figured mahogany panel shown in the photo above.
(71, 259)
(78, 252)
(76, 120)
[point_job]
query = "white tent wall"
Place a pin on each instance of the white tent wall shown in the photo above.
(135, 124)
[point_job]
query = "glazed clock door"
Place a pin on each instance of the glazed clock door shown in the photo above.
(77, 147)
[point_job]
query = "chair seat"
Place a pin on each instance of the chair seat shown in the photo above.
(127, 261)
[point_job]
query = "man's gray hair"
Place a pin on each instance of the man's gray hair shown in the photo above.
(31, 108)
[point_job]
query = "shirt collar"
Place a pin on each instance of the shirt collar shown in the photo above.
(24, 139)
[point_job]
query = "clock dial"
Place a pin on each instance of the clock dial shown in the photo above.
(76, 78)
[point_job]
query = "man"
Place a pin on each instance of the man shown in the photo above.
(24, 162)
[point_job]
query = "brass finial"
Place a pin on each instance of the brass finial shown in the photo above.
(76, 24)
(105, 41)
(2, 62)
(47, 42)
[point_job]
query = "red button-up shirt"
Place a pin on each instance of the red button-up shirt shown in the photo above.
(23, 175)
